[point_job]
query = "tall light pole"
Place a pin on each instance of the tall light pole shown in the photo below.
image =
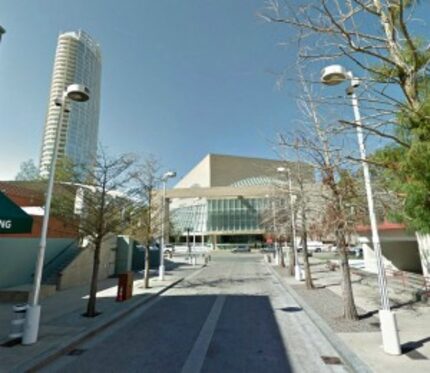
(332, 75)
(297, 269)
(274, 227)
(74, 92)
(166, 176)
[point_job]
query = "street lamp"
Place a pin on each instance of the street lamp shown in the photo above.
(332, 75)
(297, 269)
(274, 228)
(166, 176)
(74, 92)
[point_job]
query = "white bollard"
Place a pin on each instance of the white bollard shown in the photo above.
(31, 325)
(390, 333)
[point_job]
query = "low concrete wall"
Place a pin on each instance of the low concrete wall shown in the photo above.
(399, 250)
(424, 248)
(18, 258)
(79, 271)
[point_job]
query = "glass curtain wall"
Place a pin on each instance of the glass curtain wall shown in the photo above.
(236, 214)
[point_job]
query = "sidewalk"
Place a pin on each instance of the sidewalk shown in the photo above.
(363, 337)
(62, 325)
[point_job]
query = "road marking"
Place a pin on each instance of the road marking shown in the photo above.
(197, 355)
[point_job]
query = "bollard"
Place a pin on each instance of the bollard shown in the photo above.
(17, 325)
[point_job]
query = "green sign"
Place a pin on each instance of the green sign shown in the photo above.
(13, 219)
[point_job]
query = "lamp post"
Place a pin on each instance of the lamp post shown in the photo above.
(166, 176)
(274, 227)
(332, 75)
(297, 269)
(74, 92)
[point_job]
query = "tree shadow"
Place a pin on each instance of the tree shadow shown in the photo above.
(291, 309)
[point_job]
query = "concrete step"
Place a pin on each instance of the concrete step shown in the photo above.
(20, 294)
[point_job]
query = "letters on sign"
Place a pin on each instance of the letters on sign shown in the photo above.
(6, 224)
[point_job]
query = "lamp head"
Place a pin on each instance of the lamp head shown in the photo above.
(169, 174)
(78, 92)
(334, 74)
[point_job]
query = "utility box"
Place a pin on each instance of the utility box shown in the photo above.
(125, 286)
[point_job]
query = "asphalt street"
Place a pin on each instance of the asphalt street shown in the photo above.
(233, 316)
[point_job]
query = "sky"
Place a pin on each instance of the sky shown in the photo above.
(180, 78)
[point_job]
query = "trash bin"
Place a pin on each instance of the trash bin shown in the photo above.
(125, 286)
(17, 324)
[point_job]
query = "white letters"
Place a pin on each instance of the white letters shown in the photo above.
(6, 224)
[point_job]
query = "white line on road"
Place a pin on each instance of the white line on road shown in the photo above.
(197, 355)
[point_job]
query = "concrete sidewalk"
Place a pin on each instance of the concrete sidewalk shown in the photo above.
(413, 321)
(63, 326)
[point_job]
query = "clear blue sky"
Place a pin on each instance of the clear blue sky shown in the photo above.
(180, 78)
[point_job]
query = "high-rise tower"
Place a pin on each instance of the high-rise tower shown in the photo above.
(77, 60)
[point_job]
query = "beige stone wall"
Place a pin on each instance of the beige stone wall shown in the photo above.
(199, 176)
(78, 272)
(226, 170)
(217, 170)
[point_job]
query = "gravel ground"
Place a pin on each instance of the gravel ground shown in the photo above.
(329, 306)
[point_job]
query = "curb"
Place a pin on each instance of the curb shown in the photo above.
(50, 355)
(350, 358)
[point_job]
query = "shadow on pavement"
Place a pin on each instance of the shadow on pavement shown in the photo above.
(245, 338)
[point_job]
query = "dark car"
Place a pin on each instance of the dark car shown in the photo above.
(241, 249)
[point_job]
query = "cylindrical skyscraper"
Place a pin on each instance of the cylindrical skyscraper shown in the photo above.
(77, 60)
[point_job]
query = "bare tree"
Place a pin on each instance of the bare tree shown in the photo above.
(102, 201)
(303, 200)
(147, 180)
(381, 40)
(375, 35)
(328, 159)
(27, 171)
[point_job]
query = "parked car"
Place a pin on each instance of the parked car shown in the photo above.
(357, 251)
(241, 249)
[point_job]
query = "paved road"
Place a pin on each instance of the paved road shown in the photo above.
(233, 316)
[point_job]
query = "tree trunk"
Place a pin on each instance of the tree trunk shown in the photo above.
(291, 260)
(308, 274)
(349, 309)
(91, 305)
(148, 240)
(281, 251)
(147, 263)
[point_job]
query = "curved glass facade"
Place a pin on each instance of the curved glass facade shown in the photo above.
(236, 215)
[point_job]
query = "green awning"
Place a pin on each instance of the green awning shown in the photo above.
(13, 219)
